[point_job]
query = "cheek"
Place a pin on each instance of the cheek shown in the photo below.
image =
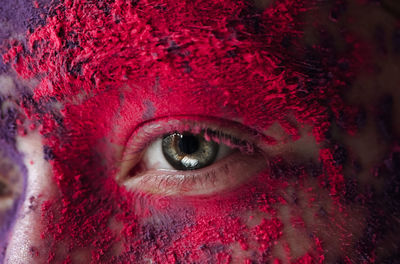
(227, 227)
(291, 213)
(287, 217)
(287, 213)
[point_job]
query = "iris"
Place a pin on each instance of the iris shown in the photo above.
(187, 151)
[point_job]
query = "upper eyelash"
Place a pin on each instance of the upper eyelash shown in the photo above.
(220, 137)
(229, 140)
(145, 134)
(217, 136)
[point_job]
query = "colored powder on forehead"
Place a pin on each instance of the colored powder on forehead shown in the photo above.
(20, 16)
(100, 59)
(222, 50)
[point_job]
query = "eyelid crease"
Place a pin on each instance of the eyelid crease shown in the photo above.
(235, 128)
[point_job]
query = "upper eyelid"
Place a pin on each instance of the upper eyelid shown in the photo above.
(220, 123)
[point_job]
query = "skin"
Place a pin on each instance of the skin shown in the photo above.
(366, 149)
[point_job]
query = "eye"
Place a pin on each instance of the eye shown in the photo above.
(6, 198)
(184, 151)
(185, 157)
(5, 192)
(187, 151)
(11, 188)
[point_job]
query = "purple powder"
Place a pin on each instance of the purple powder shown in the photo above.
(7, 124)
(19, 16)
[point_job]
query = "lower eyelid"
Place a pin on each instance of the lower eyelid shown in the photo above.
(233, 171)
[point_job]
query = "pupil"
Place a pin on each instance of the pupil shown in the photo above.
(188, 144)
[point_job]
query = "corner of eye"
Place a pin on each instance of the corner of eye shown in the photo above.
(127, 170)
(121, 175)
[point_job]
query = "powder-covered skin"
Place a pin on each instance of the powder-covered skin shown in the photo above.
(102, 70)
(18, 17)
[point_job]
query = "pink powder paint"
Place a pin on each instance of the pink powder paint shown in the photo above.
(116, 64)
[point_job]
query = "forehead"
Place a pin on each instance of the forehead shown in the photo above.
(196, 43)
(147, 59)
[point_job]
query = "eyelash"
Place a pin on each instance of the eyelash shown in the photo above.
(191, 178)
(229, 140)
(216, 135)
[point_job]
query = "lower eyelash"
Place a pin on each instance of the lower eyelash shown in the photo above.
(209, 177)
(189, 179)
(206, 181)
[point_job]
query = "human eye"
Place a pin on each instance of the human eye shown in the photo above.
(5, 193)
(11, 188)
(191, 157)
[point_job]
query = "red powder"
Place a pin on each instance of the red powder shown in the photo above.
(115, 64)
(267, 233)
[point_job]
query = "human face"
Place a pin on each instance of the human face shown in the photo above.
(119, 86)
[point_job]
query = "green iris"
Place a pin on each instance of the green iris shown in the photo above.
(187, 151)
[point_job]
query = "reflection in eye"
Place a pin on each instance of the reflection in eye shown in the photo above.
(183, 157)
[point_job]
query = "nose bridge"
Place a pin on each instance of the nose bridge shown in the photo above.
(24, 243)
